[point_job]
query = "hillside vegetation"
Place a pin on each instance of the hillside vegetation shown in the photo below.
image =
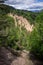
(17, 37)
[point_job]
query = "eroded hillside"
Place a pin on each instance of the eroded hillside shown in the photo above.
(21, 32)
(22, 22)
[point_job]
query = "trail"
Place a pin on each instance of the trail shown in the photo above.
(7, 58)
(23, 22)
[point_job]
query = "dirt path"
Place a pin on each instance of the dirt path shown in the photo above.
(22, 22)
(7, 58)
(22, 60)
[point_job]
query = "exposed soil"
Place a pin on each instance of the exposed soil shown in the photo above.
(7, 58)
(22, 22)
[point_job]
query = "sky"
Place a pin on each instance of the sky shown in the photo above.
(30, 5)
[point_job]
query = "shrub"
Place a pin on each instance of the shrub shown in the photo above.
(36, 38)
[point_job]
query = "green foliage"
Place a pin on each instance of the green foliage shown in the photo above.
(5, 25)
(36, 38)
(14, 37)
(30, 16)
(10, 35)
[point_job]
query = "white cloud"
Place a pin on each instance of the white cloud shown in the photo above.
(25, 4)
(20, 1)
(37, 4)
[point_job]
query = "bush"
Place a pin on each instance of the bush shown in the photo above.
(36, 38)
(11, 35)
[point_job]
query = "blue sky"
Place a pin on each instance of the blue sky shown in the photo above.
(26, 4)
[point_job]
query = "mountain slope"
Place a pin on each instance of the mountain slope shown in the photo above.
(9, 33)
(26, 14)
(15, 36)
(22, 22)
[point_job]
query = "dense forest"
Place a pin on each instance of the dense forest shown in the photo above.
(19, 38)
